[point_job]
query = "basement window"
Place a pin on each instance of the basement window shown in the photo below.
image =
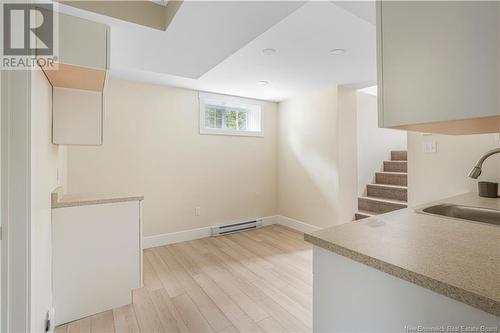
(228, 115)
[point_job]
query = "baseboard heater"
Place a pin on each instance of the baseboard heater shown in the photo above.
(235, 227)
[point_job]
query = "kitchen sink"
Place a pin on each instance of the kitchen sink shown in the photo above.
(484, 215)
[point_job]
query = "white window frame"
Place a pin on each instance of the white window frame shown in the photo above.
(215, 99)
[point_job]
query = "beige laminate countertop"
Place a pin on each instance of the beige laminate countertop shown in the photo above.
(60, 200)
(455, 258)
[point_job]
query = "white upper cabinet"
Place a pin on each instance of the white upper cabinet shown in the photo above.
(438, 66)
(83, 42)
(82, 51)
(78, 81)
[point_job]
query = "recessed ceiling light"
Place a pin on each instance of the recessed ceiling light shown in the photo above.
(268, 51)
(263, 83)
(337, 51)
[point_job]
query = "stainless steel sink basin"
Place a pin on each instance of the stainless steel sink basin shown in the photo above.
(490, 216)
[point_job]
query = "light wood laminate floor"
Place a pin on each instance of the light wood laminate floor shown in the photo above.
(253, 281)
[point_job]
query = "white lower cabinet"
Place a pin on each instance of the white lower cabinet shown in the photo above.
(97, 258)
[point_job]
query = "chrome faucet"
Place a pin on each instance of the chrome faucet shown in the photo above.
(476, 170)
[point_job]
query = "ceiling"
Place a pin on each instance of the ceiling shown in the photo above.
(363, 9)
(217, 46)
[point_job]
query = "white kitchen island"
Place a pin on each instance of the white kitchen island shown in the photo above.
(408, 272)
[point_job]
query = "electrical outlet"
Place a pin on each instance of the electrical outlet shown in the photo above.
(429, 147)
(197, 211)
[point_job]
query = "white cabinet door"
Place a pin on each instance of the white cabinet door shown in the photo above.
(78, 77)
(96, 258)
(82, 42)
(437, 61)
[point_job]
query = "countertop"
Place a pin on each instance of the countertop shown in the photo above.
(60, 200)
(452, 257)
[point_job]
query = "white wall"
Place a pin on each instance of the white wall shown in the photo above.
(374, 143)
(46, 159)
(347, 156)
(433, 176)
(309, 172)
(304, 168)
(152, 147)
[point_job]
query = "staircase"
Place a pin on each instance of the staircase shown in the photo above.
(390, 191)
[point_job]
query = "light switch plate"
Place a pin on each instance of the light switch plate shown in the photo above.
(429, 147)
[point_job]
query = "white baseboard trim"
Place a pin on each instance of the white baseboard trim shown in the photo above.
(187, 235)
(295, 224)
(175, 237)
(270, 220)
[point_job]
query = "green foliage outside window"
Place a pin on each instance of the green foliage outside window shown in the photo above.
(225, 119)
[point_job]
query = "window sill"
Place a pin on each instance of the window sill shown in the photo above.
(206, 131)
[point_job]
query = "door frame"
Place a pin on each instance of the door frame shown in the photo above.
(15, 200)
